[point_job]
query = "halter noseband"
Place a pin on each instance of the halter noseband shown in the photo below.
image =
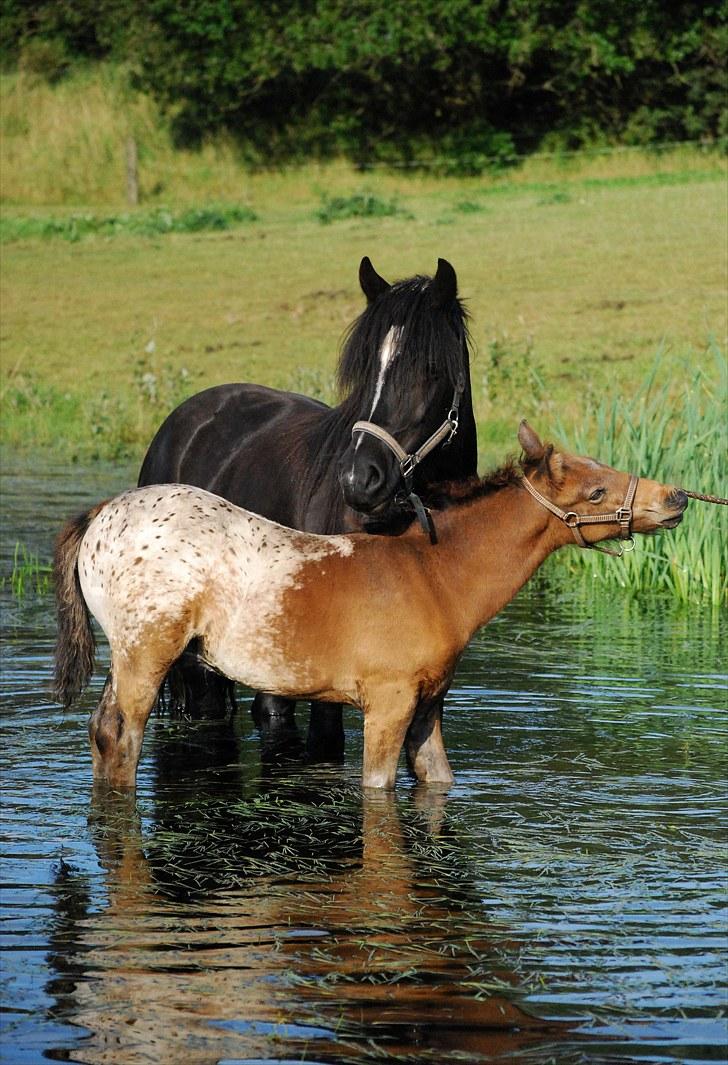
(623, 516)
(409, 460)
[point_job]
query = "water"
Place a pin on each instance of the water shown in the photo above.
(564, 902)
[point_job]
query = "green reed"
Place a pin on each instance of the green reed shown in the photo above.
(678, 436)
(29, 576)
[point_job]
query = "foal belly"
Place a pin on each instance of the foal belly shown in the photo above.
(261, 665)
(255, 649)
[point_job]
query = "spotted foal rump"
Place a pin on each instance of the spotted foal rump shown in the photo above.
(375, 621)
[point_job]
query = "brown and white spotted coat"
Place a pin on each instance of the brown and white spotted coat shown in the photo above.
(378, 622)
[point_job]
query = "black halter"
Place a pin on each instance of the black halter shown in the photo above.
(409, 460)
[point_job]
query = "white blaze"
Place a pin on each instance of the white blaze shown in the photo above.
(390, 347)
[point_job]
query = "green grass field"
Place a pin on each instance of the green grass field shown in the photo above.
(576, 271)
(573, 285)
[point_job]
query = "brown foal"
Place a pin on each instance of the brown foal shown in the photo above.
(378, 622)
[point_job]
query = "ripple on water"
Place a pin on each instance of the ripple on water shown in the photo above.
(565, 902)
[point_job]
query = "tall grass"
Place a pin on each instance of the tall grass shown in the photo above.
(29, 576)
(679, 440)
(63, 144)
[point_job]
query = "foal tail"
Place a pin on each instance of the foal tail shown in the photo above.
(75, 644)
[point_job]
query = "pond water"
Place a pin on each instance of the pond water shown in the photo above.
(564, 902)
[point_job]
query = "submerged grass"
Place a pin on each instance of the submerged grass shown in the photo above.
(680, 440)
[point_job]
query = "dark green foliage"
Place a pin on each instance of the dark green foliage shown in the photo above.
(88, 29)
(360, 205)
(148, 223)
(462, 85)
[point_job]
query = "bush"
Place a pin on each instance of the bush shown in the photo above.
(360, 205)
(145, 223)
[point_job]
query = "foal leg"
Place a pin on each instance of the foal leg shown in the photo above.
(425, 748)
(116, 727)
(325, 740)
(386, 717)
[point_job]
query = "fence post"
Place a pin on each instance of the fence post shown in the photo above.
(132, 172)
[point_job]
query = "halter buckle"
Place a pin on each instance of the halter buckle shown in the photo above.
(624, 515)
(407, 466)
(571, 519)
(452, 418)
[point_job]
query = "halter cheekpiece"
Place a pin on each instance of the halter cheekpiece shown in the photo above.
(408, 461)
(623, 516)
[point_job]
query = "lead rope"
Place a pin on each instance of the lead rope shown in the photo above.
(705, 498)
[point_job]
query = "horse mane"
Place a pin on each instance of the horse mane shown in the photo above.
(433, 341)
(447, 494)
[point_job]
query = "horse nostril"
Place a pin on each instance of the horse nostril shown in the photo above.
(678, 498)
(374, 478)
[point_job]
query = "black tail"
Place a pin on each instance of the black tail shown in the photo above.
(75, 645)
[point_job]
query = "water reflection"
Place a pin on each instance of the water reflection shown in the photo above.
(252, 907)
(319, 921)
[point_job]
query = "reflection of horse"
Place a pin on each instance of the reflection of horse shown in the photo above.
(180, 966)
(279, 454)
(379, 622)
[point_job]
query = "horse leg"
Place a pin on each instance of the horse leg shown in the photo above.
(386, 718)
(271, 711)
(116, 727)
(198, 691)
(275, 720)
(325, 740)
(426, 755)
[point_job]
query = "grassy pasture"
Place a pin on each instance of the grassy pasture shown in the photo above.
(573, 285)
(576, 271)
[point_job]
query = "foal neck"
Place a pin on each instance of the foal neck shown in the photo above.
(489, 548)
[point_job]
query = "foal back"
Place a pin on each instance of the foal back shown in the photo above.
(161, 565)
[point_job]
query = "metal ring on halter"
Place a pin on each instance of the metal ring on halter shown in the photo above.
(407, 466)
(407, 462)
(623, 516)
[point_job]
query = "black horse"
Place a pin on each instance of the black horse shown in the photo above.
(405, 368)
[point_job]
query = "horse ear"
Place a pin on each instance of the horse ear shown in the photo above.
(555, 466)
(372, 284)
(444, 287)
(529, 440)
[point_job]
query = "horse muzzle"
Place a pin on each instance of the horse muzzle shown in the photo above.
(366, 487)
(677, 501)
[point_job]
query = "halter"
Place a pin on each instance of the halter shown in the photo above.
(573, 520)
(409, 460)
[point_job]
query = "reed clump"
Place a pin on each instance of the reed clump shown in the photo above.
(29, 575)
(679, 438)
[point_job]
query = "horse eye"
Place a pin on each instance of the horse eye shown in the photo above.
(597, 495)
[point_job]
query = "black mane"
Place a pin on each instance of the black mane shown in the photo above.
(434, 341)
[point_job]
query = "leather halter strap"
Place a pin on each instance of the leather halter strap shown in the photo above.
(409, 460)
(623, 517)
